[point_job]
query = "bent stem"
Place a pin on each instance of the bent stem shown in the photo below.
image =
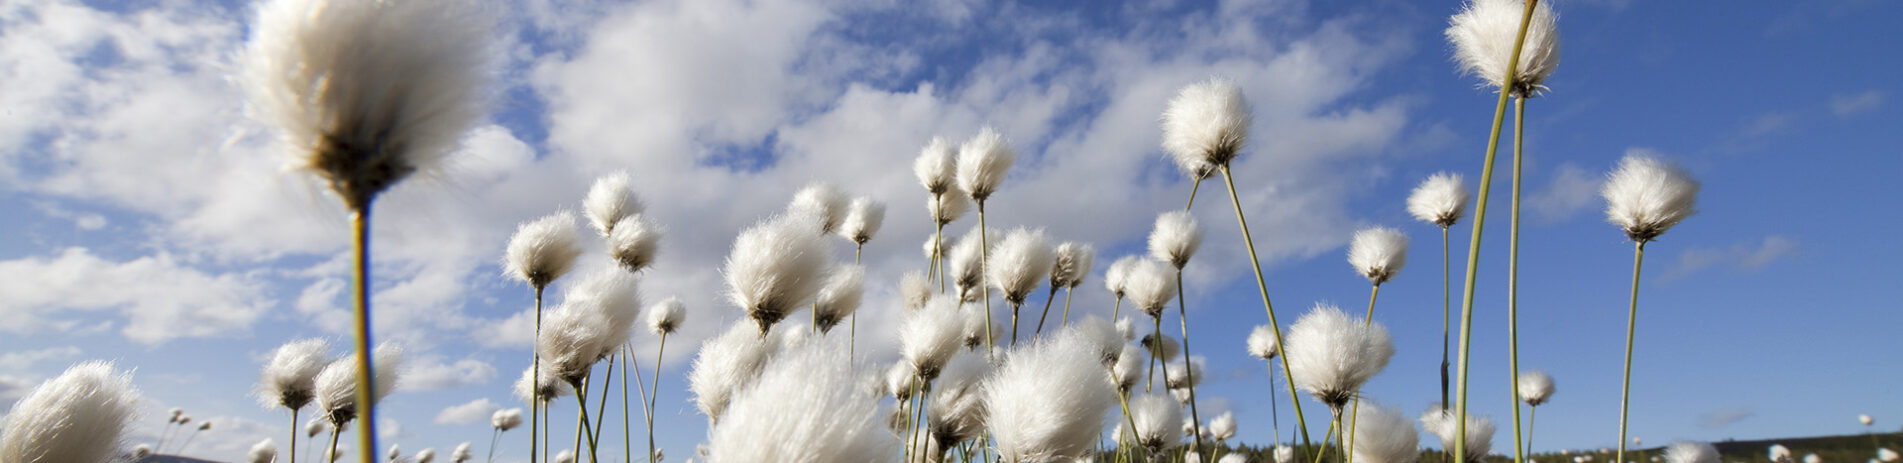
(581, 420)
(659, 353)
(1262, 284)
(1631, 328)
(1189, 371)
(1513, 276)
(360, 241)
(1480, 222)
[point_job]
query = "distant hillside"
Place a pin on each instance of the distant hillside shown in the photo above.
(170, 459)
(1855, 448)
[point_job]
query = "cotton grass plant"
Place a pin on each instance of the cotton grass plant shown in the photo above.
(1175, 240)
(339, 384)
(540, 251)
(1645, 197)
(1047, 399)
(1024, 259)
(1441, 200)
(289, 379)
(1535, 388)
(1069, 266)
(82, 415)
(1333, 354)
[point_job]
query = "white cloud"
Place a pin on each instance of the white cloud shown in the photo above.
(1858, 103)
(159, 298)
(431, 373)
(1571, 191)
(16, 362)
(476, 411)
(1744, 256)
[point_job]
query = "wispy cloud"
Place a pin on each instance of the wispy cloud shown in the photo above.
(1856, 103)
(1572, 190)
(1725, 417)
(1744, 256)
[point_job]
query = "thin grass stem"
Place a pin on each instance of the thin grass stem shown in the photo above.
(293, 449)
(1048, 299)
(1631, 331)
(984, 266)
(1189, 371)
(1067, 293)
(1354, 413)
(1513, 275)
(1446, 291)
(659, 353)
(366, 384)
(1262, 284)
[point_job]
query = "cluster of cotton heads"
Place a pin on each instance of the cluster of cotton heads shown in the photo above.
(289, 379)
(595, 318)
(80, 416)
(1484, 32)
(1646, 196)
(616, 213)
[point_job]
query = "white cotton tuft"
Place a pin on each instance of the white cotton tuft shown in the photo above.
(139, 452)
(1442, 423)
(1161, 346)
(596, 317)
(426, 456)
(977, 327)
(1233, 457)
(1206, 124)
(262, 452)
(546, 387)
(1183, 375)
(1813, 458)
(289, 379)
(506, 419)
(1535, 387)
(863, 218)
(728, 363)
(1378, 253)
(1019, 263)
(634, 243)
(1158, 418)
(967, 262)
(1072, 264)
(1780, 453)
(666, 317)
(1223, 427)
(543, 250)
(1383, 435)
(914, 290)
(1175, 238)
(1865, 419)
(609, 200)
(936, 166)
(1886, 455)
(1331, 354)
(316, 426)
(1691, 452)
(1150, 285)
(1047, 401)
(775, 268)
(900, 380)
(1117, 277)
(804, 408)
(1129, 368)
(565, 456)
(1646, 196)
(1101, 334)
(1127, 328)
(982, 163)
(929, 336)
(955, 410)
(1441, 199)
(79, 416)
(366, 93)
(1284, 454)
(1262, 343)
(839, 296)
(823, 202)
(1483, 34)
(461, 454)
(948, 208)
(337, 383)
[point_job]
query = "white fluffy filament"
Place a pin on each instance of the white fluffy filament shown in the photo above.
(79, 416)
(1019, 263)
(1378, 253)
(1175, 238)
(1441, 199)
(609, 200)
(1207, 123)
(543, 250)
(1483, 34)
(1646, 196)
(289, 380)
(823, 202)
(1535, 387)
(982, 163)
(805, 407)
(775, 268)
(1331, 354)
(1383, 435)
(1048, 400)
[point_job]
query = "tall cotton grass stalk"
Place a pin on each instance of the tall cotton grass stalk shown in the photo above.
(1378, 254)
(806, 406)
(365, 94)
(80, 416)
(775, 268)
(1442, 200)
(265, 451)
(937, 170)
(1390, 438)
(289, 379)
(822, 202)
(1645, 197)
(1158, 417)
(945, 209)
(596, 317)
(1691, 452)
(610, 200)
(1047, 400)
(863, 219)
(1462, 29)
(1475, 433)
(1535, 388)
(1333, 354)
(663, 319)
(1264, 344)
(1175, 241)
(983, 162)
(1068, 269)
(339, 387)
(501, 421)
(1024, 260)
(540, 252)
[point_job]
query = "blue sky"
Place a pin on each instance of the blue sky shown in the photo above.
(152, 223)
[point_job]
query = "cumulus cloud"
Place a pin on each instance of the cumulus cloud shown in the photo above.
(431, 373)
(475, 411)
(22, 360)
(1743, 256)
(1571, 191)
(157, 297)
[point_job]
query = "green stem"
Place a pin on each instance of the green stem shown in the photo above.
(1014, 324)
(1531, 412)
(1156, 353)
(627, 449)
(581, 402)
(1631, 330)
(1193, 186)
(1262, 284)
(331, 455)
(1480, 222)
(1123, 397)
(659, 352)
(1513, 276)
(1067, 293)
(852, 326)
(536, 402)
(1048, 299)
(1445, 290)
(601, 407)
(495, 437)
(366, 387)
(1354, 413)
(1116, 310)
(292, 451)
(1275, 416)
(1189, 371)
(984, 266)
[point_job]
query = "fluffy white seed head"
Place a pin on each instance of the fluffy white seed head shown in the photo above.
(727, 363)
(1646, 196)
(1378, 253)
(426, 456)
(595, 319)
(506, 419)
(863, 218)
(1886, 455)
(823, 202)
(1019, 263)
(914, 290)
(949, 207)
(461, 454)
(1223, 427)
(1483, 34)
(936, 166)
(316, 426)
(1691, 452)
(1331, 354)
(543, 250)
(982, 163)
(609, 200)
(565, 456)
(1206, 124)
(1233, 457)
(546, 387)
(1175, 238)
(366, 93)
(1100, 333)
(1284, 454)
(929, 336)
(804, 407)
(289, 379)
(1157, 419)
(1813, 458)
(1262, 343)
(1127, 328)
(1117, 277)
(1442, 423)
(1162, 346)
(839, 296)
(337, 383)
(967, 262)
(79, 416)
(1383, 435)
(1048, 400)
(1182, 375)
(1866, 420)
(1535, 387)
(141, 451)
(977, 327)
(1150, 285)
(666, 317)
(634, 242)
(1780, 453)
(900, 380)
(263, 452)
(955, 410)
(775, 268)
(1129, 368)
(1072, 264)
(1441, 199)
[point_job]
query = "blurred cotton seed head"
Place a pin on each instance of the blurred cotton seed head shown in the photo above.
(289, 378)
(936, 166)
(1116, 278)
(1150, 286)
(1127, 328)
(1157, 419)
(1047, 401)
(1441, 199)
(367, 93)
(1442, 424)
(666, 317)
(1813, 458)
(262, 452)
(948, 208)
(914, 290)
(1175, 238)
(461, 454)
(426, 456)
(1382, 435)
(1129, 368)
(725, 364)
(863, 218)
(1072, 264)
(1780, 453)
(1378, 253)
(982, 163)
(1223, 427)
(1691, 452)
(1207, 123)
(967, 259)
(1262, 343)
(1019, 263)
(1162, 346)
(1101, 334)
(840, 296)
(337, 383)
(634, 243)
(1182, 375)
(956, 409)
(611, 300)
(807, 403)
(1646, 196)
(204, 426)
(1233, 458)
(543, 250)
(610, 200)
(141, 451)
(1866, 420)
(1330, 354)
(506, 419)
(775, 268)
(565, 456)
(1483, 34)
(79, 416)
(1284, 454)
(1535, 387)
(316, 426)
(823, 202)
(545, 387)
(1886, 455)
